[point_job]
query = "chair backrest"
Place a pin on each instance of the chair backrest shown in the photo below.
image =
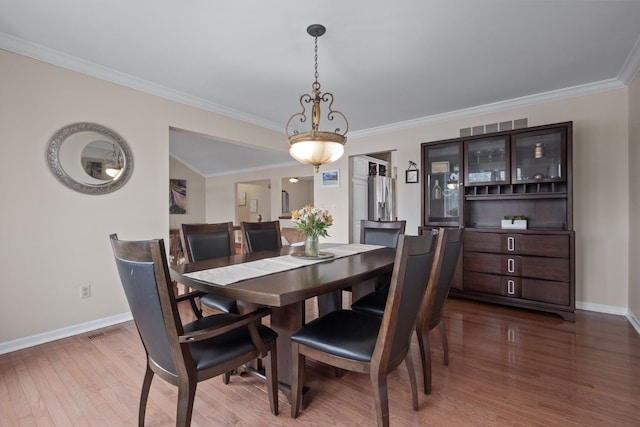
(444, 267)
(261, 236)
(143, 270)
(411, 270)
(207, 241)
(383, 233)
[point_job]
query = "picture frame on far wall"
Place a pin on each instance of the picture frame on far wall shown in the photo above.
(331, 178)
(177, 196)
(411, 176)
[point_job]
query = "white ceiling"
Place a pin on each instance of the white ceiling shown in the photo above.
(388, 64)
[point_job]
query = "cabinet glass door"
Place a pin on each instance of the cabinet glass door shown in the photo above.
(442, 191)
(539, 156)
(487, 161)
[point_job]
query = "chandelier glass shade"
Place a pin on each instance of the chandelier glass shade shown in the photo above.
(316, 147)
(113, 162)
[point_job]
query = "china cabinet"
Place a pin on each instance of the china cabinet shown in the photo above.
(481, 181)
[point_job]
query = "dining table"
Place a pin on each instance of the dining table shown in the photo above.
(286, 291)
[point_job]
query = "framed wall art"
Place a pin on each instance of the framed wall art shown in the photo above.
(412, 174)
(331, 178)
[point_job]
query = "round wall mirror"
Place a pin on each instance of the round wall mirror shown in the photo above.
(89, 158)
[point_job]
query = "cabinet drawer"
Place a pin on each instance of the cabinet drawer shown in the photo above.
(556, 269)
(493, 263)
(482, 262)
(546, 291)
(544, 268)
(482, 242)
(547, 245)
(492, 284)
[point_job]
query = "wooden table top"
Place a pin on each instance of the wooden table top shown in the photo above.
(291, 286)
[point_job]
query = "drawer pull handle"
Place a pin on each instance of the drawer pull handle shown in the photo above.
(511, 244)
(511, 265)
(511, 287)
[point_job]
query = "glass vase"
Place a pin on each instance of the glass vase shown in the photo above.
(311, 246)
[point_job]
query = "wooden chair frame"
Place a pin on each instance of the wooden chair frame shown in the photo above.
(382, 361)
(385, 225)
(196, 229)
(248, 227)
(430, 315)
(186, 374)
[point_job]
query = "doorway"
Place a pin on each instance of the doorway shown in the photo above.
(254, 201)
(360, 169)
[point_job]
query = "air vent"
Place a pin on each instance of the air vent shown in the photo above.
(504, 126)
(494, 127)
(465, 132)
(96, 335)
(100, 334)
(490, 128)
(520, 123)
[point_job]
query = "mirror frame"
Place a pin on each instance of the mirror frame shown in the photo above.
(53, 158)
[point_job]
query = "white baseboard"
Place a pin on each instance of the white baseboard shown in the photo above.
(601, 308)
(634, 322)
(19, 344)
(608, 309)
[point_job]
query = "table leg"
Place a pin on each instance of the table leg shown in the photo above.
(329, 302)
(363, 288)
(285, 321)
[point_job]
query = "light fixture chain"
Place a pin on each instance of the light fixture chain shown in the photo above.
(316, 62)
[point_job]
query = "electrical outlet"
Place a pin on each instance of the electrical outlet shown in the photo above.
(85, 291)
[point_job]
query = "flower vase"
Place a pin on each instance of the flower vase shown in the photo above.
(311, 246)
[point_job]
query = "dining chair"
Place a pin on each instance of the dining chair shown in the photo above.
(184, 355)
(207, 241)
(383, 233)
(448, 249)
(261, 236)
(359, 342)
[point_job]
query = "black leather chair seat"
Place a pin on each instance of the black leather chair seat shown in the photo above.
(343, 333)
(217, 350)
(218, 302)
(372, 303)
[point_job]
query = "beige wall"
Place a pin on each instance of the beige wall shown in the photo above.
(300, 194)
(196, 205)
(634, 196)
(56, 240)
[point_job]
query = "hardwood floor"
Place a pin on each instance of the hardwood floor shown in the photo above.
(508, 367)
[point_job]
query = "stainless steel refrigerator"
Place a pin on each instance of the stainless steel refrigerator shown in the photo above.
(382, 198)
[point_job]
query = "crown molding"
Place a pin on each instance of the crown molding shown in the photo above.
(61, 59)
(631, 66)
(510, 104)
(69, 62)
(236, 171)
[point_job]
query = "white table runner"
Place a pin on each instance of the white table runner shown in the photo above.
(249, 270)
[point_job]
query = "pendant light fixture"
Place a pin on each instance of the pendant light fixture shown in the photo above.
(316, 147)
